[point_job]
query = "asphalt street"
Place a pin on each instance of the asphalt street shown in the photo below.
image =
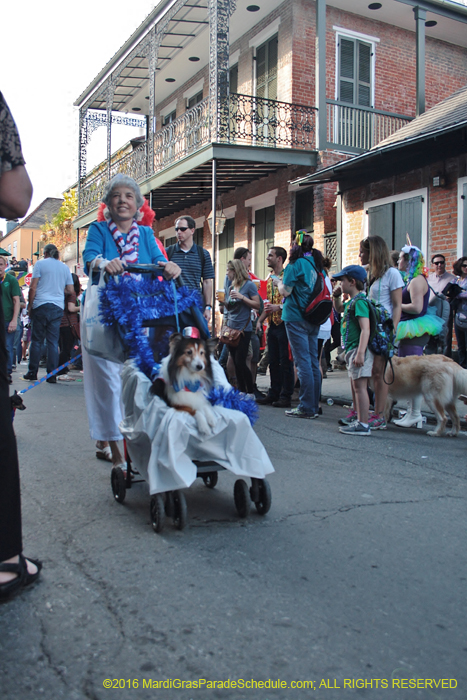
(356, 577)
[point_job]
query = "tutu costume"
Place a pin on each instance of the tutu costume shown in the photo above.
(414, 330)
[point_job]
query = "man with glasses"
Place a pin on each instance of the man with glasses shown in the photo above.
(194, 261)
(438, 280)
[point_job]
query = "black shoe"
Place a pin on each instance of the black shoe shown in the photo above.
(258, 394)
(30, 377)
(281, 403)
(10, 380)
(265, 400)
(51, 380)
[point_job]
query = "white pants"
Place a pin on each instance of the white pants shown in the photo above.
(102, 392)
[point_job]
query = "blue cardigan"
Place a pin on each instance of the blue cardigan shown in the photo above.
(100, 242)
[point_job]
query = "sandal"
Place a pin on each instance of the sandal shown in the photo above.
(104, 453)
(10, 588)
(31, 578)
(66, 378)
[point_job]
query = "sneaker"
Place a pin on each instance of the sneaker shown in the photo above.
(377, 422)
(351, 417)
(299, 413)
(30, 377)
(13, 368)
(355, 428)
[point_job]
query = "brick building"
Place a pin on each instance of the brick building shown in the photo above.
(241, 101)
(413, 182)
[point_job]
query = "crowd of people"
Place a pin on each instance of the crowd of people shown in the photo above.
(294, 346)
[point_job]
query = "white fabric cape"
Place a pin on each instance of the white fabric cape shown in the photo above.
(162, 442)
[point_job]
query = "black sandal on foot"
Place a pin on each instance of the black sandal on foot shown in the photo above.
(10, 588)
(31, 578)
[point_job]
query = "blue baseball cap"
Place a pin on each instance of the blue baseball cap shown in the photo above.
(355, 272)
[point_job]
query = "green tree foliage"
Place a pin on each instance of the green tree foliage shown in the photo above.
(60, 231)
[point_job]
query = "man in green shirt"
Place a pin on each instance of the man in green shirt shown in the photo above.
(11, 295)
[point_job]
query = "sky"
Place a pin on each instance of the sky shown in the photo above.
(51, 51)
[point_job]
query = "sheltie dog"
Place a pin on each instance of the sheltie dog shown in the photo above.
(186, 378)
(437, 378)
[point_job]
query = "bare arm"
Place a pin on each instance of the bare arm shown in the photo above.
(337, 300)
(13, 323)
(32, 293)
(207, 296)
(15, 193)
(418, 288)
(252, 303)
(364, 324)
(396, 300)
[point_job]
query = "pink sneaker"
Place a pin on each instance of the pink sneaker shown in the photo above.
(350, 418)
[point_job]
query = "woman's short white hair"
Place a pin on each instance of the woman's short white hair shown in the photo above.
(121, 180)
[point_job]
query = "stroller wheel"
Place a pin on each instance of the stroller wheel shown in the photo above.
(169, 504)
(263, 503)
(179, 510)
(242, 498)
(117, 480)
(156, 508)
(210, 480)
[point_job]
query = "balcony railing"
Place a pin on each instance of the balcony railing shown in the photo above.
(357, 129)
(132, 164)
(255, 121)
(252, 121)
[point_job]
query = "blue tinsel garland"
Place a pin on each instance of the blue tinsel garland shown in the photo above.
(231, 398)
(129, 301)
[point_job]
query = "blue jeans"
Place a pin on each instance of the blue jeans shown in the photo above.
(10, 348)
(303, 339)
(46, 320)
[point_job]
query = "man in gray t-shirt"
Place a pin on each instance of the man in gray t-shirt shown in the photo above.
(51, 280)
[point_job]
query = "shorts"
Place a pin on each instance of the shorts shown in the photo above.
(253, 349)
(359, 372)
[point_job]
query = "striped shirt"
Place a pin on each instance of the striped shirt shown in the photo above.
(190, 264)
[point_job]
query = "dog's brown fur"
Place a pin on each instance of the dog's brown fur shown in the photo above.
(437, 378)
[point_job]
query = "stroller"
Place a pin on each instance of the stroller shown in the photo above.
(163, 445)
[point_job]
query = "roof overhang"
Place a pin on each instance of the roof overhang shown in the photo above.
(189, 181)
(393, 159)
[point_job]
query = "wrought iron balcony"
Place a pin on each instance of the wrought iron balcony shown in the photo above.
(357, 129)
(249, 121)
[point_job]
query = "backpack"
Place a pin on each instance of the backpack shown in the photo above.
(381, 341)
(319, 306)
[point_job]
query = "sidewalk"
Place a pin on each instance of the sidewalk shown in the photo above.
(337, 387)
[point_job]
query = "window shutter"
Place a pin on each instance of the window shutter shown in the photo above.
(233, 79)
(346, 70)
(364, 74)
(261, 71)
(272, 68)
(408, 219)
(380, 222)
(266, 69)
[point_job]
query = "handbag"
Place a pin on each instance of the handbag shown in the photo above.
(230, 336)
(96, 338)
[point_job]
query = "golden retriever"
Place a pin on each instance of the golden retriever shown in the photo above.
(437, 378)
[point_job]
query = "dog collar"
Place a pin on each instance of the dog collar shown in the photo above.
(187, 386)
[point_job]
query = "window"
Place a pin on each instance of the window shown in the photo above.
(266, 69)
(354, 72)
(170, 241)
(198, 236)
(226, 249)
(15, 249)
(195, 99)
(233, 78)
(264, 239)
(353, 127)
(392, 221)
(304, 210)
(169, 118)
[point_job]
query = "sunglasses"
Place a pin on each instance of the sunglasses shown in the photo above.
(464, 265)
(182, 228)
(439, 262)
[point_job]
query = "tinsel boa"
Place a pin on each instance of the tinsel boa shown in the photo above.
(129, 301)
(231, 398)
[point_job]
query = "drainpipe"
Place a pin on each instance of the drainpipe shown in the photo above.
(420, 17)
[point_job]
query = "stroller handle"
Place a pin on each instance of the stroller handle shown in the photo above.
(150, 268)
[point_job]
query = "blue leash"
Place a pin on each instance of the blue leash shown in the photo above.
(51, 374)
(174, 289)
